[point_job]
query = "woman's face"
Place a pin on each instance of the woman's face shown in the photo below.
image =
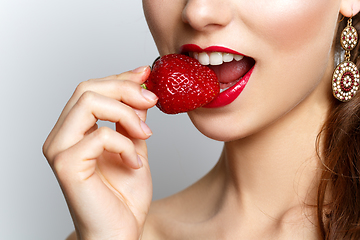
(289, 42)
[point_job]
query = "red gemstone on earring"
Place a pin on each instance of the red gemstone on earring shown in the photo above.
(347, 78)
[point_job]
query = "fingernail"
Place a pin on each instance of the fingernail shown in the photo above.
(139, 161)
(139, 114)
(145, 128)
(149, 95)
(140, 69)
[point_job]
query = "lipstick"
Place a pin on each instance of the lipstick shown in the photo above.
(195, 48)
(229, 95)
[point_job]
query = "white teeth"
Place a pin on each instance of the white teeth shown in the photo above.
(215, 58)
(238, 57)
(204, 58)
(195, 55)
(228, 57)
(222, 90)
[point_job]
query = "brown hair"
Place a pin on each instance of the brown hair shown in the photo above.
(338, 206)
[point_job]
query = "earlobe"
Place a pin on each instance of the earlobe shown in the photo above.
(350, 8)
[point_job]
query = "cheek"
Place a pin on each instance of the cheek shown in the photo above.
(163, 18)
(296, 40)
(292, 22)
(291, 44)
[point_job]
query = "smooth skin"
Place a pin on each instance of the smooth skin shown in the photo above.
(266, 177)
(107, 188)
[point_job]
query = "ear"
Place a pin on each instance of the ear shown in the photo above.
(349, 8)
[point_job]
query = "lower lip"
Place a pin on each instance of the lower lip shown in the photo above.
(229, 95)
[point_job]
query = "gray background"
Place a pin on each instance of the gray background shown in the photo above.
(46, 49)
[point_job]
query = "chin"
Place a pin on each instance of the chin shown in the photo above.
(219, 128)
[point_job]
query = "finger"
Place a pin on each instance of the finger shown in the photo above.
(125, 91)
(112, 88)
(140, 144)
(128, 92)
(138, 75)
(91, 107)
(78, 163)
(141, 114)
(92, 129)
(118, 87)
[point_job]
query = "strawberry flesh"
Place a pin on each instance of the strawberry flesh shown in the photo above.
(182, 83)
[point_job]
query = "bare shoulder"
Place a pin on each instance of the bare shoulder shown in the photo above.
(167, 217)
(174, 217)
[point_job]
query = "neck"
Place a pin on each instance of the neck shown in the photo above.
(276, 169)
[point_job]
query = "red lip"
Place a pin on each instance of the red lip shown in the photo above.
(195, 48)
(229, 95)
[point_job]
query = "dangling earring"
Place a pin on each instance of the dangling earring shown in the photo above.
(345, 81)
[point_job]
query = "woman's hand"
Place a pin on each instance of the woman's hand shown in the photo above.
(104, 174)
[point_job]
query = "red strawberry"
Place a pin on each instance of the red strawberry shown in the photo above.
(181, 83)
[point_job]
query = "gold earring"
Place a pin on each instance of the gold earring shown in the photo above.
(345, 81)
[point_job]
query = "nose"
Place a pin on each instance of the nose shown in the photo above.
(203, 15)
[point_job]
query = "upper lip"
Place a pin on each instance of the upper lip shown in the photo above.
(195, 48)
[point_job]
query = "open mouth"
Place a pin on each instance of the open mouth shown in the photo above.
(233, 71)
(228, 67)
